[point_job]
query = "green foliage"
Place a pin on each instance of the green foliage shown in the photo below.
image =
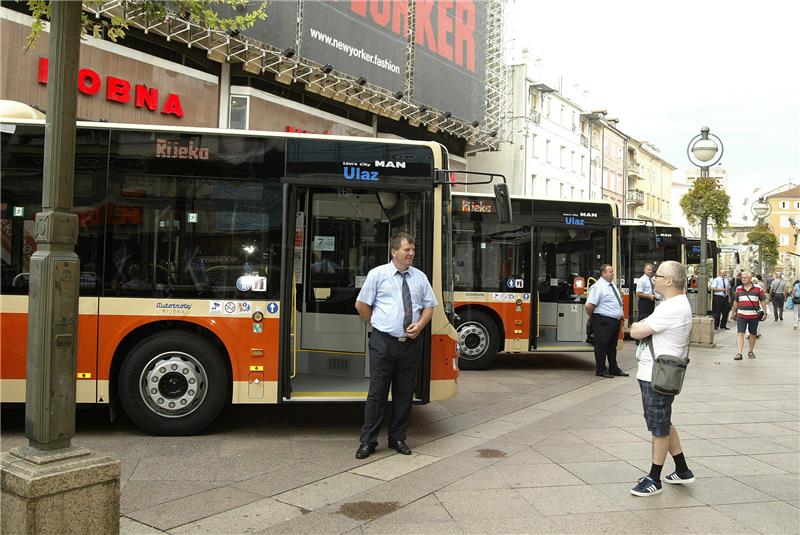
(707, 199)
(206, 13)
(763, 236)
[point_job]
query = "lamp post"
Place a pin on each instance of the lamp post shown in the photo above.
(704, 150)
(761, 210)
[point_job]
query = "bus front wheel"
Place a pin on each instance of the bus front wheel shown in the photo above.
(173, 383)
(479, 339)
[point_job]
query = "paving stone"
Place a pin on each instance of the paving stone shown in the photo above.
(447, 446)
(604, 472)
(413, 528)
(690, 520)
(508, 526)
(427, 508)
(291, 476)
(527, 455)
(750, 445)
(737, 465)
(600, 436)
(128, 526)
(764, 430)
(251, 518)
(488, 478)
(591, 523)
(765, 517)
(141, 494)
(176, 468)
(492, 429)
(790, 462)
(781, 486)
(534, 475)
(394, 466)
(568, 500)
(574, 453)
(326, 491)
(473, 505)
(628, 450)
(711, 431)
(175, 513)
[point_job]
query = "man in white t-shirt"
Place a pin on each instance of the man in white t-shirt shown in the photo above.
(669, 328)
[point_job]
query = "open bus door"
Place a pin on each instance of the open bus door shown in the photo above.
(635, 234)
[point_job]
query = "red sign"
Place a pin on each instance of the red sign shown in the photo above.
(480, 207)
(119, 90)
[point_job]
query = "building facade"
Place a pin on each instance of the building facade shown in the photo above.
(649, 192)
(613, 149)
(784, 220)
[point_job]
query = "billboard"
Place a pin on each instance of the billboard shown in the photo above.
(278, 29)
(358, 38)
(450, 56)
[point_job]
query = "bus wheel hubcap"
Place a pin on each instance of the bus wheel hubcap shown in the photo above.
(173, 384)
(474, 340)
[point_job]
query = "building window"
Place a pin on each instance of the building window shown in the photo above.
(561, 160)
(784, 205)
(784, 239)
(549, 103)
(561, 116)
(238, 114)
(797, 204)
(546, 187)
(547, 150)
(533, 145)
(785, 221)
(572, 192)
(572, 161)
(583, 194)
(583, 165)
(561, 190)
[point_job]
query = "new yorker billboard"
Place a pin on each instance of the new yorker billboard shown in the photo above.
(368, 38)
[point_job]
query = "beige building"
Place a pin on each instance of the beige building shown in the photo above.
(649, 192)
(785, 209)
(735, 253)
(612, 186)
(717, 171)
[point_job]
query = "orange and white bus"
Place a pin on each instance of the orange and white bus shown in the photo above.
(223, 266)
(522, 286)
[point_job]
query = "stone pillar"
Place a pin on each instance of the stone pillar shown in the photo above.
(60, 493)
(702, 332)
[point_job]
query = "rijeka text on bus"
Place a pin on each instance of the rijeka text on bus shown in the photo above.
(119, 90)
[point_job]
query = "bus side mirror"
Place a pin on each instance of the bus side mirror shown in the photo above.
(503, 202)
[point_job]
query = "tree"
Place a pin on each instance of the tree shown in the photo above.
(767, 242)
(211, 14)
(707, 200)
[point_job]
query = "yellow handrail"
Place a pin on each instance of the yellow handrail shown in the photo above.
(294, 326)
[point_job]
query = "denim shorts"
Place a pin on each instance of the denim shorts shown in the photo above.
(747, 324)
(657, 409)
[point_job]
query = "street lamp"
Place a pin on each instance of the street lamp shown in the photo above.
(761, 210)
(704, 150)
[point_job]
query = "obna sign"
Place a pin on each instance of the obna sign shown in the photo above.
(119, 90)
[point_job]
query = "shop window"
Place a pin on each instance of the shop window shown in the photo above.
(239, 113)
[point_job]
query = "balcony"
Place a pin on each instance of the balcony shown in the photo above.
(635, 168)
(635, 197)
(584, 141)
(536, 117)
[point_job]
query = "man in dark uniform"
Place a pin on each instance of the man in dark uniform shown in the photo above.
(645, 291)
(398, 301)
(604, 307)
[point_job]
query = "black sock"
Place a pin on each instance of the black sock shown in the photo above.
(655, 471)
(680, 463)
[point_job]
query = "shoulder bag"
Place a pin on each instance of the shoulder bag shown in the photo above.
(668, 371)
(760, 311)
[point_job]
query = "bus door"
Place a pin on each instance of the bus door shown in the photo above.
(338, 235)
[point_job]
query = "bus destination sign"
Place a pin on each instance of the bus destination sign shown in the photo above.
(477, 207)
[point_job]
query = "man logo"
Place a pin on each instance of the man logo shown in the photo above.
(389, 163)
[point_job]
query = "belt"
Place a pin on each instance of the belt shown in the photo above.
(400, 339)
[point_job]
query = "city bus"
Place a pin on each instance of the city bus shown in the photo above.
(223, 266)
(521, 286)
(642, 244)
(692, 248)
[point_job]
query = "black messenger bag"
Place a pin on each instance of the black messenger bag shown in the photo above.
(668, 371)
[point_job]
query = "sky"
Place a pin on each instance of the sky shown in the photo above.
(668, 68)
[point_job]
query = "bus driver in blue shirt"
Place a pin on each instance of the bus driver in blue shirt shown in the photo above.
(398, 301)
(604, 308)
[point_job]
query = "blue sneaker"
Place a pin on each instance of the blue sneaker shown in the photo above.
(647, 486)
(680, 479)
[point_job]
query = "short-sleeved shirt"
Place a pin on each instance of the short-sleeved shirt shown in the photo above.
(672, 324)
(778, 287)
(645, 285)
(749, 301)
(383, 291)
(605, 298)
(720, 286)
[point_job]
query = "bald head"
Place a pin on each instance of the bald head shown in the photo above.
(670, 278)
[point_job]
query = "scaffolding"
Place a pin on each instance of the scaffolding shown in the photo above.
(287, 66)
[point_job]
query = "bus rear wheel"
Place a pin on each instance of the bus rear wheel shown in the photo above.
(173, 383)
(479, 339)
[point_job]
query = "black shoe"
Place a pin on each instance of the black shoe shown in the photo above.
(726, 328)
(400, 447)
(364, 451)
(604, 374)
(621, 374)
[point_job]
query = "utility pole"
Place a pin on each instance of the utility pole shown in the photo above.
(49, 465)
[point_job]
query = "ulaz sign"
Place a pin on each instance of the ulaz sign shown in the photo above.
(119, 90)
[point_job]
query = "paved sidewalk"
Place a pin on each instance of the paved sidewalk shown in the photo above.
(537, 444)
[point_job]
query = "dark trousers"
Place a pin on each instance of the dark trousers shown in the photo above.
(646, 307)
(777, 305)
(720, 308)
(391, 364)
(606, 331)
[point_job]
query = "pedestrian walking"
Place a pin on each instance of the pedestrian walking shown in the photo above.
(796, 302)
(646, 293)
(749, 308)
(398, 301)
(777, 296)
(669, 328)
(604, 307)
(720, 306)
